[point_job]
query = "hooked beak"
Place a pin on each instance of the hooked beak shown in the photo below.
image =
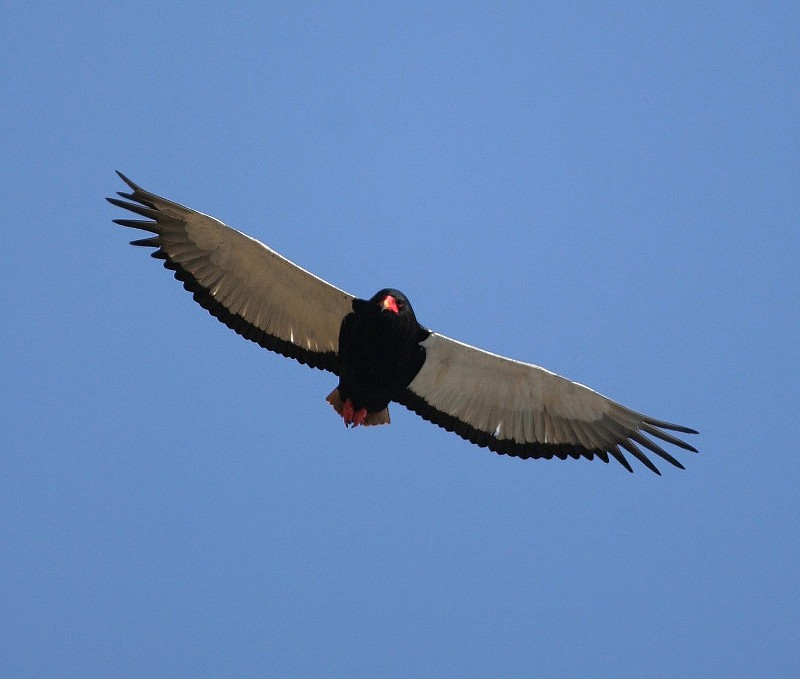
(390, 303)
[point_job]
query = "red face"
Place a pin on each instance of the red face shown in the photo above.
(391, 304)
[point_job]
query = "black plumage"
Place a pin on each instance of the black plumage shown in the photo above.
(381, 353)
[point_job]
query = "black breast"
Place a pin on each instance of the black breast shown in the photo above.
(379, 353)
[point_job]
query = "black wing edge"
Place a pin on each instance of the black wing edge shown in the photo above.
(144, 204)
(561, 451)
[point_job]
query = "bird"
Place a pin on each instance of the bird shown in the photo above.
(381, 353)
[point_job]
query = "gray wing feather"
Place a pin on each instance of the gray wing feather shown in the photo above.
(520, 409)
(246, 285)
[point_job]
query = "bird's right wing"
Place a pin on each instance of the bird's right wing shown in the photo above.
(249, 287)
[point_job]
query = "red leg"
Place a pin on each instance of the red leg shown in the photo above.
(351, 416)
(359, 416)
(347, 412)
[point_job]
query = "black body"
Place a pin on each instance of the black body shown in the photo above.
(379, 351)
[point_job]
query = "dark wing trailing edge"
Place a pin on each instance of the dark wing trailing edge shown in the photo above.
(246, 285)
(519, 409)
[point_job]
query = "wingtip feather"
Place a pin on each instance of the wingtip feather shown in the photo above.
(631, 447)
(616, 453)
(126, 180)
(147, 242)
(661, 424)
(653, 430)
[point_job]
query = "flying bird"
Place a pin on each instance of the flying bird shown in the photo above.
(381, 353)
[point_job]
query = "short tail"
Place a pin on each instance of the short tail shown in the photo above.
(381, 417)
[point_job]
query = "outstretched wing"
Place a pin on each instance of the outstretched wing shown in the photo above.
(246, 285)
(519, 409)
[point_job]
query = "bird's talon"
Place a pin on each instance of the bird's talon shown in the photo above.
(359, 417)
(351, 416)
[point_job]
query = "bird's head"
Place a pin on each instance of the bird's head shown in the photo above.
(392, 301)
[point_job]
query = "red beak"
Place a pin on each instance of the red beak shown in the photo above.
(390, 303)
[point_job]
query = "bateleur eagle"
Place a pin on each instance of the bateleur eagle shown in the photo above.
(380, 353)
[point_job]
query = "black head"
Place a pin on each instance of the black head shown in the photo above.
(390, 300)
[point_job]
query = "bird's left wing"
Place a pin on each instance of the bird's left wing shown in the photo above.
(249, 287)
(519, 409)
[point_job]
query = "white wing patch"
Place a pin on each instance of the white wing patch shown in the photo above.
(510, 399)
(249, 280)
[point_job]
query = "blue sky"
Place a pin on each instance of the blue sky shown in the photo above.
(609, 192)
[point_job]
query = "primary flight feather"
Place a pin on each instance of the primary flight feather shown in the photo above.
(380, 352)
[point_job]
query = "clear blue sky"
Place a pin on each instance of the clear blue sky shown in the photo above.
(613, 193)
